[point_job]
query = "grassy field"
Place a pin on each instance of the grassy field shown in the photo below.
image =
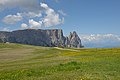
(24, 62)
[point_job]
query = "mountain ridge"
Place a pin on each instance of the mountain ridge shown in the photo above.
(41, 37)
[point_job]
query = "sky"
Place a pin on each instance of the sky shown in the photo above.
(93, 20)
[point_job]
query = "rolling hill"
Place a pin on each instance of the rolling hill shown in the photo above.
(26, 62)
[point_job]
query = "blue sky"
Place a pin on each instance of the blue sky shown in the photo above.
(90, 16)
(86, 17)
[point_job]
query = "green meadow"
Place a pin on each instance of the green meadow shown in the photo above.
(25, 62)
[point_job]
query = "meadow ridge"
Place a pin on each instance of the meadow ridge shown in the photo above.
(26, 62)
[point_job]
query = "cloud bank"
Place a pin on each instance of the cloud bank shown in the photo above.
(101, 40)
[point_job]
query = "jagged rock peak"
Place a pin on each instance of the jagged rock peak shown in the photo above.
(73, 40)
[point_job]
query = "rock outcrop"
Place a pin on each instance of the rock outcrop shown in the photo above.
(39, 37)
(73, 41)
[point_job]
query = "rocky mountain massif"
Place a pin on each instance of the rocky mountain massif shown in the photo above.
(39, 37)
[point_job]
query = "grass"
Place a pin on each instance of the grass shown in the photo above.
(25, 62)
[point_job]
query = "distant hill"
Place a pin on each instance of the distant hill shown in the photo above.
(39, 37)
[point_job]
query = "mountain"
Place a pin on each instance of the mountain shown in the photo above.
(39, 37)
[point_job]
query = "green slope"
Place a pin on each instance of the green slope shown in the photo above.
(25, 62)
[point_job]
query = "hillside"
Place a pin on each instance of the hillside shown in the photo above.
(25, 62)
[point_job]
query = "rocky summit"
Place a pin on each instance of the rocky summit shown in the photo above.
(39, 37)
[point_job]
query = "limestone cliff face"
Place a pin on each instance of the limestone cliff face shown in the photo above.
(56, 37)
(39, 37)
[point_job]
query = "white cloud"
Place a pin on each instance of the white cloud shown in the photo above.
(52, 18)
(31, 14)
(62, 12)
(44, 5)
(24, 26)
(100, 40)
(34, 24)
(12, 19)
